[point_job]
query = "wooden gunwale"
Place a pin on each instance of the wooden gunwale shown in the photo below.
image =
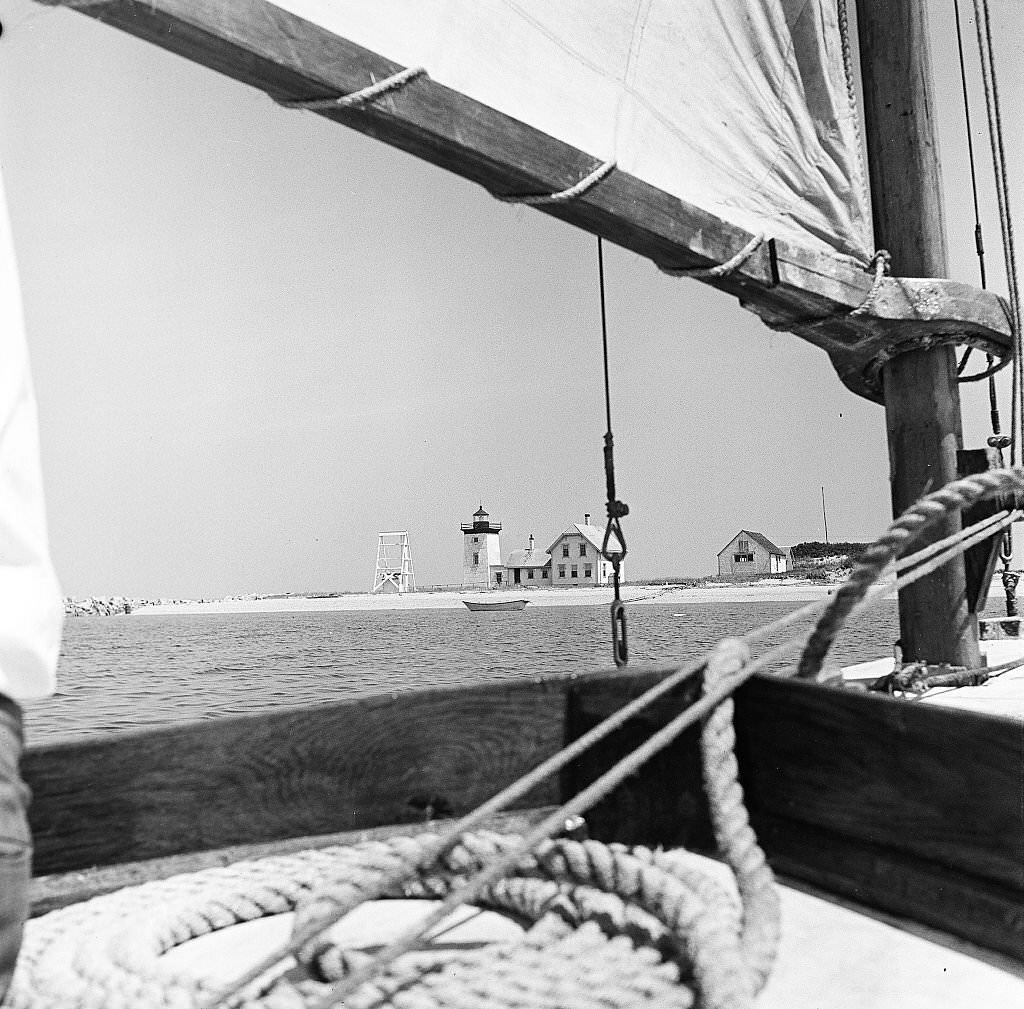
(912, 809)
(790, 287)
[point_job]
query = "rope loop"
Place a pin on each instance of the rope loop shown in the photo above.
(901, 534)
(880, 262)
(730, 266)
(541, 199)
(356, 98)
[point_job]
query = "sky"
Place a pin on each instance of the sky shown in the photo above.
(259, 339)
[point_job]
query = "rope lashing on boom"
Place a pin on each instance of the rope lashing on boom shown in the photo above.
(731, 265)
(355, 98)
(571, 193)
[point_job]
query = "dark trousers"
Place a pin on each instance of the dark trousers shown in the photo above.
(15, 841)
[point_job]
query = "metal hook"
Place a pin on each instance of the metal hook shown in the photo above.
(620, 646)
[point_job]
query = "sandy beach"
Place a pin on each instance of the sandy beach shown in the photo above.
(797, 590)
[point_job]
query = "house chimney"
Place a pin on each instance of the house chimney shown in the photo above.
(586, 518)
(531, 542)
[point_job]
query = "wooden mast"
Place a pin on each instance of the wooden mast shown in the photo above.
(922, 399)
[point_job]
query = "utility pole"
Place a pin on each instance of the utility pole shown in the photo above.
(922, 399)
(824, 514)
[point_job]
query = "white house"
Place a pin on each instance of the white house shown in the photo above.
(576, 556)
(530, 567)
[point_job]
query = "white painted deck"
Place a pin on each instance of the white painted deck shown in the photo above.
(1002, 695)
(831, 957)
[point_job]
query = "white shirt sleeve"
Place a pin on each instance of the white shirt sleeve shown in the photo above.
(31, 607)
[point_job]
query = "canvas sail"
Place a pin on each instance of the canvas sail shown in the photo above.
(739, 108)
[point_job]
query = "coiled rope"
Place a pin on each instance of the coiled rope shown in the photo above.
(645, 927)
(610, 925)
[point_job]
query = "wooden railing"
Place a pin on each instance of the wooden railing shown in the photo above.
(907, 807)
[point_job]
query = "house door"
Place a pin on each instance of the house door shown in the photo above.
(516, 575)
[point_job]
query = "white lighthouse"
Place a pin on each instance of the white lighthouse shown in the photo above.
(481, 552)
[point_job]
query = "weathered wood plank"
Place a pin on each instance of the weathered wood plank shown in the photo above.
(343, 766)
(47, 893)
(902, 806)
(806, 291)
(950, 899)
(936, 784)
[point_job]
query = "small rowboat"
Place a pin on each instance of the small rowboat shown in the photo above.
(501, 604)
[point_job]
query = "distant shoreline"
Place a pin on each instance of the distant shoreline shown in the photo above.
(797, 590)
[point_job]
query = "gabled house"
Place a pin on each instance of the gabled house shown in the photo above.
(530, 567)
(576, 556)
(749, 553)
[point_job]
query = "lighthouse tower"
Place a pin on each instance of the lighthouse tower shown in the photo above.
(481, 552)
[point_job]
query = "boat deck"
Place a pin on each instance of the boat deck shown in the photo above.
(1002, 695)
(831, 954)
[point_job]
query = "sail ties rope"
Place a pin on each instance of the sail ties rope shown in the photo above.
(541, 199)
(724, 269)
(355, 98)
(880, 263)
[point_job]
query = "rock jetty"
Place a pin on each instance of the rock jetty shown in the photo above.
(100, 606)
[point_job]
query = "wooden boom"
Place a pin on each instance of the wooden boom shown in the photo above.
(791, 287)
(910, 808)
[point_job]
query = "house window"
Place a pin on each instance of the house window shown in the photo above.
(565, 549)
(743, 546)
(583, 550)
(587, 571)
(574, 575)
(529, 574)
(476, 559)
(742, 558)
(476, 539)
(561, 570)
(545, 573)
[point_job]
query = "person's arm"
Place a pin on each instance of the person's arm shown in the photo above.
(31, 607)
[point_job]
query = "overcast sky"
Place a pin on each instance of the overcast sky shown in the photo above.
(259, 339)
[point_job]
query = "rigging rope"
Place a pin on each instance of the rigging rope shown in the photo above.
(727, 667)
(617, 510)
(928, 511)
(991, 87)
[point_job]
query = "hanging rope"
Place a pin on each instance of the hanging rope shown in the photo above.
(991, 87)
(614, 552)
(997, 440)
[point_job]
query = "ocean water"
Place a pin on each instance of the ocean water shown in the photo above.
(121, 673)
